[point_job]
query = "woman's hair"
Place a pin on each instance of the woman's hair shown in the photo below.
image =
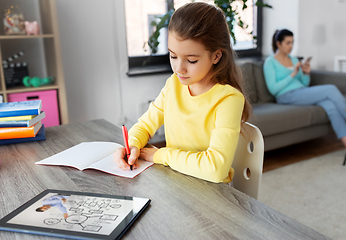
(279, 36)
(207, 25)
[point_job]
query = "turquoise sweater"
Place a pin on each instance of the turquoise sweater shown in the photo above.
(278, 77)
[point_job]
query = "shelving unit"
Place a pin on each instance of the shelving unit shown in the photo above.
(43, 53)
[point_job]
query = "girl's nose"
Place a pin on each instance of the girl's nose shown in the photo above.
(180, 68)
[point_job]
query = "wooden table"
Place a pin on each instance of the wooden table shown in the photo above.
(182, 207)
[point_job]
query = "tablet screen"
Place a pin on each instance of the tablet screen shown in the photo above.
(75, 214)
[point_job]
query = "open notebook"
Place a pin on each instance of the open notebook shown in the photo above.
(94, 155)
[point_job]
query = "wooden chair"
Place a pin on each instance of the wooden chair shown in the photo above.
(248, 161)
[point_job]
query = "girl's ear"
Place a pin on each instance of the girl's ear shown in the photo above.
(217, 56)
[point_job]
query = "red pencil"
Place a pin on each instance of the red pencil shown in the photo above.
(126, 141)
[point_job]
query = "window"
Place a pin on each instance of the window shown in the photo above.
(140, 14)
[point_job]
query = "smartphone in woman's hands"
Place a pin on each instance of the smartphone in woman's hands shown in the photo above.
(308, 60)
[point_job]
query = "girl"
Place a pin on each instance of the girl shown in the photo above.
(288, 81)
(201, 105)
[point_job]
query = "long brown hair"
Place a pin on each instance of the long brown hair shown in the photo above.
(206, 24)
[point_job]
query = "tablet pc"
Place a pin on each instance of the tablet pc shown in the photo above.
(75, 215)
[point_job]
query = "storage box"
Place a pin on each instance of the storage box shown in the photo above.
(49, 104)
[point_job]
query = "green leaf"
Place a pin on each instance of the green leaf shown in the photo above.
(244, 5)
(259, 3)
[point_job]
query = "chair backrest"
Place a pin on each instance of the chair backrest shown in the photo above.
(248, 161)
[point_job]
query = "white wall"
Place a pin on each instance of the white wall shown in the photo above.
(284, 14)
(88, 53)
(319, 28)
(322, 31)
(93, 43)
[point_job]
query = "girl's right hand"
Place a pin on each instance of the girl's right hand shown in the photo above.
(119, 158)
(296, 69)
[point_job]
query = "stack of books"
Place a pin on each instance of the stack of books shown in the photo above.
(21, 122)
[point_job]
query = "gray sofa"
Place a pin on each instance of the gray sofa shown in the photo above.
(283, 125)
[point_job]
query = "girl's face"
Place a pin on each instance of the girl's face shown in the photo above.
(286, 45)
(191, 62)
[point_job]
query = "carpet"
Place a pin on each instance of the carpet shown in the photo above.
(312, 191)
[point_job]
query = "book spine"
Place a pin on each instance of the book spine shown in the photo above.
(19, 113)
(21, 132)
(8, 124)
(18, 118)
(41, 135)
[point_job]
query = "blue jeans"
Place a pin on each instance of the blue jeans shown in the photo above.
(327, 96)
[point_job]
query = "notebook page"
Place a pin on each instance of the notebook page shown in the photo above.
(82, 155)
(109, 166)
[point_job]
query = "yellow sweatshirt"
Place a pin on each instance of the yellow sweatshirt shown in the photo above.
(201, 131)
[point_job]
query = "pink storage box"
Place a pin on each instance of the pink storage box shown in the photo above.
(49, 104)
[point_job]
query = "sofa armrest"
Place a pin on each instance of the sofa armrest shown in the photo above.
(327, 77)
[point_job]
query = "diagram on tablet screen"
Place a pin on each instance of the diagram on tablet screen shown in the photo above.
(88, 214)
(76, 213)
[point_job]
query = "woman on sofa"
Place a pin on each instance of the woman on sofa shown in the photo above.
(288, 81)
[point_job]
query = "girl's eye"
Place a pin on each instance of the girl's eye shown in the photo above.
(193, 62)
(172, 57)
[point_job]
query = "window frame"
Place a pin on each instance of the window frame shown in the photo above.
(157, 64)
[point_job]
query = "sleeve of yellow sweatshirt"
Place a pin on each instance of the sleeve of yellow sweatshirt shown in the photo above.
(213, 164)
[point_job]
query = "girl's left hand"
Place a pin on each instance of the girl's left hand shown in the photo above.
(306, 68)
(148, 154)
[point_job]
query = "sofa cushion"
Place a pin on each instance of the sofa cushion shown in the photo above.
(249, 81)
(263, 94)
(272, 118)
(319, 116)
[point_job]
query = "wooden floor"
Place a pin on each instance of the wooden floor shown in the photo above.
(302, 151)
(298, 152)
